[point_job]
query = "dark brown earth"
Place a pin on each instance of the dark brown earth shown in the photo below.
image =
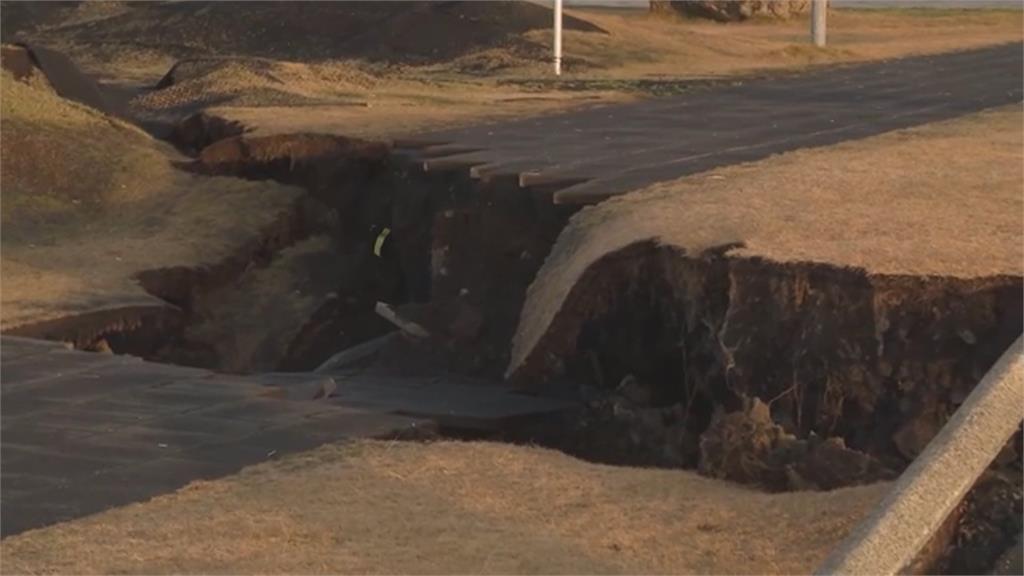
(985, 526)
(17, 60)
(738, 328)
(352, 180)
(747, 446)
(199, 130)
(460, 253)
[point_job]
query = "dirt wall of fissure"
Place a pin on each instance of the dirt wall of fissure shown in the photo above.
(879, 361)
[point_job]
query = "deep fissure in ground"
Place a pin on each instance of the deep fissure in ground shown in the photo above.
(788, 376)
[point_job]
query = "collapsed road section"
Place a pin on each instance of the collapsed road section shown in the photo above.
(760, 323)
(465, 217)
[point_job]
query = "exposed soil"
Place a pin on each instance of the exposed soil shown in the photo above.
(199, 130)
(487, 240)
(768, 282)
(18, 61)
(136, 330)
(880, 362)
(682, 371)
(459, 253)
(351, 179)
(298, 287)
(985, 527)
(760, 349)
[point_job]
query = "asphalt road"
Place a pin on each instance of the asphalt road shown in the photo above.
(83, 432)
(603, 151)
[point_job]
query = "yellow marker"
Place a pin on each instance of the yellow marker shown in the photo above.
(378, 244)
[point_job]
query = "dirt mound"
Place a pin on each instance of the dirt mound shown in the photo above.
(405, 32)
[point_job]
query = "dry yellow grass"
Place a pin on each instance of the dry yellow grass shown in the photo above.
(89, 201)
(343, 97)
(494, 84)
(261, 82)
(356, 98)
(60, 158)
(942, 199)
(450, 508)
(641, 45)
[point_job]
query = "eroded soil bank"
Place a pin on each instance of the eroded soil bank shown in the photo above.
(161, 330)
(879, 361)
(789, 376)
(453, 252)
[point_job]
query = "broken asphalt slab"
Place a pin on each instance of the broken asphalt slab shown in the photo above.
(84, 432)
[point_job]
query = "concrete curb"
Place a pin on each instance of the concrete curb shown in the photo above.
(935, 483)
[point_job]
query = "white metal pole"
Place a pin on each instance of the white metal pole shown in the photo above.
(819, 10)
(889, 539)
(558, 37)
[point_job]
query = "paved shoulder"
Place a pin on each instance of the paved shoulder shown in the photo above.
(610, 150)
(83, 432)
